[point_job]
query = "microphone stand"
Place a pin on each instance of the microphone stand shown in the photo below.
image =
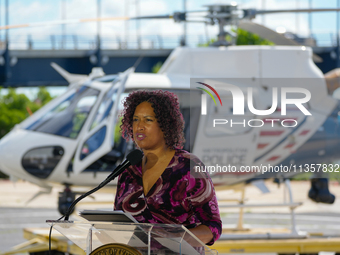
(102, 184)
(111, 177)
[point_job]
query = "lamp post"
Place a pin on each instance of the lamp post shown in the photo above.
(310, 18)
(63, 26)
(8, 73)
(184, 39)
(98, 53)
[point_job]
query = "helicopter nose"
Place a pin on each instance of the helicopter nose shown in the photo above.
(9, 162)
(3, 158)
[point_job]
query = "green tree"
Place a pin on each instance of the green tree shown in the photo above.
(246, 38)
(14, 108)
(243, 38)
(156, 67)
(43, 96)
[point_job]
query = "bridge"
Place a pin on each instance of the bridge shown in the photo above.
(32, 67)
(26, 62)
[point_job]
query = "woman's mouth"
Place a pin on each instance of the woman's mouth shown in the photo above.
(140, 136)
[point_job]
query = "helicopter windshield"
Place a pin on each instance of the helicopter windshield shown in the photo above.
(105, 107)
(97, 139)
(67, 118)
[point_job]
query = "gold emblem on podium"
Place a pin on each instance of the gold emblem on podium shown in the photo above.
(115, 249)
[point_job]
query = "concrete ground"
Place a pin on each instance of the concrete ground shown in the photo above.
(16, 214)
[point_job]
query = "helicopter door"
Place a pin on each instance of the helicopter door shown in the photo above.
(100, 138)
(226, 145)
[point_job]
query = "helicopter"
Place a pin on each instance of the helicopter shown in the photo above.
(74, 139)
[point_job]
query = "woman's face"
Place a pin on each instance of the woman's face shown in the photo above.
(146, 131)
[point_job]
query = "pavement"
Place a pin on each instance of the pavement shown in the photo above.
(16, 213)
(277, 195)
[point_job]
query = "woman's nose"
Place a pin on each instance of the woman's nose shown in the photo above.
(140, 126)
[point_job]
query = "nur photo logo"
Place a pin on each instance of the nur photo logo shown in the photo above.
(204, 97)
(278, 100)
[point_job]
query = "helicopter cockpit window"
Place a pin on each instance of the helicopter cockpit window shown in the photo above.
(105, 107)
(93, 143)
(41, 162)
(96, 140)
(67, 118)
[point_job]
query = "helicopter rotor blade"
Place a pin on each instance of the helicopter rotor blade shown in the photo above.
(271, 35)
(74, 21)
(177, 16)
(60, 22)
(167, 16)
(296, 10)
(265, 32)
(222, 14)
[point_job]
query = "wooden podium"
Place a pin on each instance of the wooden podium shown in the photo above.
(97, 238)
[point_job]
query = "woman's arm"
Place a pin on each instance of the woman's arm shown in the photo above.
(202, 197)
(203, 233)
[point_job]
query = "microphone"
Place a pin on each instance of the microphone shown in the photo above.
(133, 158)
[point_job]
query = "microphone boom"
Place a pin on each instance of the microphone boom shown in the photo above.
(133, 158)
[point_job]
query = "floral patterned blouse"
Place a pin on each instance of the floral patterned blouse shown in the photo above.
(179, 196)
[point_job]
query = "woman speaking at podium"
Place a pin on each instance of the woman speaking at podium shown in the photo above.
(162, 188)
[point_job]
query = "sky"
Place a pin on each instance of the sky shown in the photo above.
(323, 25)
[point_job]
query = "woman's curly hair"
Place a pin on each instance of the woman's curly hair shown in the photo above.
(166, 107)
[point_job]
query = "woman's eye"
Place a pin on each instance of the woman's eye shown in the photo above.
(148, 119)
(134, 120)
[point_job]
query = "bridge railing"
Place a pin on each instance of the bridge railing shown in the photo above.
(151, 41)
(78, 41)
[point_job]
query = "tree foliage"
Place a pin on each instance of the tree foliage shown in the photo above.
(246, 38)
(243, 38)
(14, 108)
(156, 67)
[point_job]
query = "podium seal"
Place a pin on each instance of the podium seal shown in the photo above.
(115, 249)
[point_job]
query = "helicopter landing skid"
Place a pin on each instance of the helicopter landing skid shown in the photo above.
(293, 234)
(65, 199)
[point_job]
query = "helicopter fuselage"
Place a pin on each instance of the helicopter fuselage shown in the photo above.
(72, 140)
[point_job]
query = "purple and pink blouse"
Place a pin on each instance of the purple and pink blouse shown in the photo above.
(179, 196)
